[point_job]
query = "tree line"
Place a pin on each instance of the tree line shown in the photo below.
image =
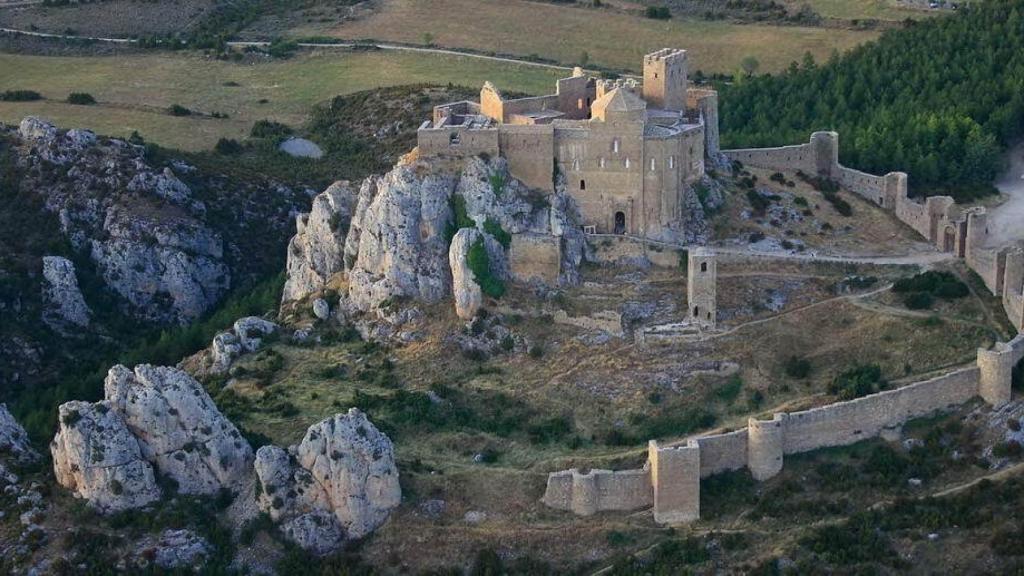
(939, 99)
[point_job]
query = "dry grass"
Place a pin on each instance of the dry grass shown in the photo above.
(134, 91)
(564, 33)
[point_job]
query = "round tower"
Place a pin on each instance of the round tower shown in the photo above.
(766, 442)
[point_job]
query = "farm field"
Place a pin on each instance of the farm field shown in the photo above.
(135, 91)
(609, 38)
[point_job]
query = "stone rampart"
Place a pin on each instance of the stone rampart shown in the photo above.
(674, 470)
(595, 491)
(457, 140)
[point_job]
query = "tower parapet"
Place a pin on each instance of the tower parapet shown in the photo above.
(665, 79)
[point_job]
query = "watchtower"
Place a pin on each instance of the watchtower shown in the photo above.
(701, 277)
(665, 79)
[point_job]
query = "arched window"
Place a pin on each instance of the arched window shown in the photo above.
(615, 145)
(696, 312)
(671, 162)
(703, 266)
(652, 165)
(627, 163)
(583, 184)
(600, 162)
(454, 139)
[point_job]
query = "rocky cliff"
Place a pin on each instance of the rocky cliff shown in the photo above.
(398, 239)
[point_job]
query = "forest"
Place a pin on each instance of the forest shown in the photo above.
(940, 99)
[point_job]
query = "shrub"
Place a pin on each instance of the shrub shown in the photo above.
(227, 146)
(20, 96)
(797, 367)
(731, 390)
(270, 130)
(178, 110)
(859, 381)
(658, 12)
(494, 229)
(1008, 449)
(479, 263)
(81, 98)
(918, 300)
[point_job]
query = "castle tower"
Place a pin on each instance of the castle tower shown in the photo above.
(701, 278)
(665, 79)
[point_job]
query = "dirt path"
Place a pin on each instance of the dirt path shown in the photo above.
(1004, 221)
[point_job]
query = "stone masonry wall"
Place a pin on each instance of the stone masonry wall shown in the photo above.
(599, 490)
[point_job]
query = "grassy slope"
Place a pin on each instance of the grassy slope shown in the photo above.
(864, 9)
(611, 39)
(134, 91)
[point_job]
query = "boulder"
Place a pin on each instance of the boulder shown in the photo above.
(321, 309)
(252, 330)
(316, 252)
(66, 306)
(318, 532)
(14, 444)
(98, 459)
(468, 296)
(343, 467)
(225, 348)
(179, 429)
(173, 550)
(37, 130)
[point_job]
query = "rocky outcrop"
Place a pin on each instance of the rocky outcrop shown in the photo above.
(173, 550)
(247, 335)
(153, 419)
(97, 457)
(396, 244)
(340, 481)
(316, 252)
(144, 222)
(15, 448)
(66, 306)
(179, 428)
(468, 296)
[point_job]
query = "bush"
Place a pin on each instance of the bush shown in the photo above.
(942, 284)
(178, 110)
(731, 390)
(479, 263)
(658, 12)
(860, 381)
(227, 146)
(81, 98)
(494, 229)
(797, 367)
(270, 130)
(20, 96)
(918, 300)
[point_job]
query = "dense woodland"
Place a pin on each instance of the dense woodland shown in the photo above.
(939, 99)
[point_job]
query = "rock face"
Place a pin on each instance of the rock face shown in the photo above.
(179, 428)
(173, 550)
(152, 419)
(315, 253)
(61, 293)
(340, 481)
(14, 445)
(247, 335)
(468, 296)
(398, 242)
(146, 230)
(98, 458)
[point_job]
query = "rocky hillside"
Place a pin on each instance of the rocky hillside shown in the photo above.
(104, 237)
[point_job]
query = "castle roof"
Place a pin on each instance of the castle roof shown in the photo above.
(620, 100)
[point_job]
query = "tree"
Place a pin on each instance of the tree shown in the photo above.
(584, 58)
(750, 65)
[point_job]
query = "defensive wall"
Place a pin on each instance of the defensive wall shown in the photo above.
(962, 232)
(670, 481)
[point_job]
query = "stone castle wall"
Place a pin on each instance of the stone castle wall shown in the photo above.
(674, 470)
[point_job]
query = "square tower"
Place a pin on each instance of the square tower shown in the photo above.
(701, 279)
(665, 79)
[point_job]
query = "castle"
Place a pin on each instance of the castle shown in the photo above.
(628, 151)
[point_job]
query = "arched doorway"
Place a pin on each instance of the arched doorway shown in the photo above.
(948, 239)
(620, 222)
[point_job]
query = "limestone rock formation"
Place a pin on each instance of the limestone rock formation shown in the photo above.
(247, 335)
(396, 243)
(14, 445)
(315, 253)
(252, 330)
(97, 457)
(61, 293)
(321, 309)
(340, 480)
(468, 296)
(173, 550)
(179, 429)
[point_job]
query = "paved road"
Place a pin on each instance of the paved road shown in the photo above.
(1005, 220)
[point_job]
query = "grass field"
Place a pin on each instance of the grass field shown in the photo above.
(134, 91)
(609, 38)
(865, 9)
